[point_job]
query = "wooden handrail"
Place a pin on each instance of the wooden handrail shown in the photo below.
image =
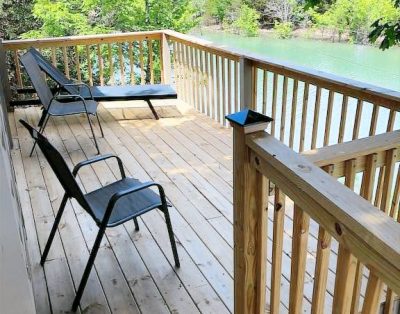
(338, 153)
(80, 40)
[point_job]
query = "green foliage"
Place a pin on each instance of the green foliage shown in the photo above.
(11, 23)
(217, 9)
(247, 21)
(75, 17)
(389, 31)
(356, 16)
(283, 30)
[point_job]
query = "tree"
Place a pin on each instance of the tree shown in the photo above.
(247, 21)
(389, 31)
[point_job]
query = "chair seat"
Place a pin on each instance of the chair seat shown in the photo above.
(128, 207)
(58, 108)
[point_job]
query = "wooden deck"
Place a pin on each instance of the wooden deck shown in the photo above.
(190, 155)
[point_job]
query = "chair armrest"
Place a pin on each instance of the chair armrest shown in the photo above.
(97, 159)
(81, 84)
(114, 199)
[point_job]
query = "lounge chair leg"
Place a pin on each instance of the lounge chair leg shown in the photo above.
(135, 221)
(152, 109)
(41, 130)
(53, 229)
(171, 236)
(94, 136)
(101, 128)
(88, 268)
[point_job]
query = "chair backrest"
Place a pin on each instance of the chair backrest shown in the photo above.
(53, 72)
(39, 83)
(59, 166)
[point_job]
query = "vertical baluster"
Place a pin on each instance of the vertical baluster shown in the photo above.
(317, 107)
(328, 118)
(193, 76)
(208, 82)
(17, 70)
(304, 116)
(150, 45)
(78, 64)
(111, 64)
(201, 81)
(374, 120)
(53, 56)
(237, 104)
(277, 250)
(301, 221)
(188, 78)
(121, 64)
(293, 113)
(212, 87)
(274, 99)
(265, 92)
(218, 82)
(357, 121)
(346, 262)
(343, 117)
(100, 63)
(131, 63)
(223, 89)
(392, 118)
(196, 81)
(366, 192)
(141, 59)
(65, 60)
(254, 97)
(283, 115)
(89, 65)
(321, 265)
(229, 86)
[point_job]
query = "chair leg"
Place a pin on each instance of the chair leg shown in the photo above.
(88, 268)
(171, 236)
(101, 128)
(53, 229)
(152, 109)
(94, 136)
(43, 122)
(136, 224)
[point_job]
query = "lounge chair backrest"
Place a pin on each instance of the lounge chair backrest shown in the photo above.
(53, 72)
(58, 164)
(39, 83)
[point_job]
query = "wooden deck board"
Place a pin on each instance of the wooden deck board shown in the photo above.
(190, 155)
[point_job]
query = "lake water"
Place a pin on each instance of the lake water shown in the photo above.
(363, 63)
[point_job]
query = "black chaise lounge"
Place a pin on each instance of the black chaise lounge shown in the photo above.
(58, 105)
(109, 206)
(106, 93)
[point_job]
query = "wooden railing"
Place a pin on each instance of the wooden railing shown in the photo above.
(310, 108)
(365, 234)
(113, 59)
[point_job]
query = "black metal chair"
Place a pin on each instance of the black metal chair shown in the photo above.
(109, 206)
(107, 93)
(58, 105)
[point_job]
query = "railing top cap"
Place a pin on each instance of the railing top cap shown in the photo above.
(247, 117)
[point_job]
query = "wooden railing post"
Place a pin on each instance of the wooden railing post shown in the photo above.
(165, 60)
(5, 91)
(250, 217)
(247, 84)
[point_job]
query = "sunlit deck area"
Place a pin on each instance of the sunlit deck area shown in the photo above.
(298, 213)
(191, 156)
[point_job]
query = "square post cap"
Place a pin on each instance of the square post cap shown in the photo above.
(250, 120)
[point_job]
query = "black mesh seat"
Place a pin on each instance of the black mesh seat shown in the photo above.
(74, 107)
(125, 209)
(58, 105)
(105, 93)
(109, 206)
